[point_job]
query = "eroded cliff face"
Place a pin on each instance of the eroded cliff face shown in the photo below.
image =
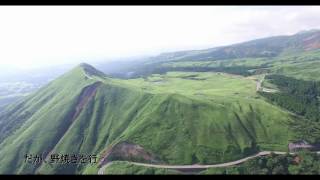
(86, 95)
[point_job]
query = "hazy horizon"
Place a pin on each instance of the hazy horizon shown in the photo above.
(35, 37)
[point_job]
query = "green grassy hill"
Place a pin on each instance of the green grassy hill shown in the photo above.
(180, 118)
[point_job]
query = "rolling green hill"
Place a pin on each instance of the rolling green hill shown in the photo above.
(178, 118)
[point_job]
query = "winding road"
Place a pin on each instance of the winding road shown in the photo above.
(199, 166)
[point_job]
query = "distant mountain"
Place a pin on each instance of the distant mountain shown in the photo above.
(266, 47)
(271, 47)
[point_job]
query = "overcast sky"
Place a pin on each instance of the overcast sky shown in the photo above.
(47, 35)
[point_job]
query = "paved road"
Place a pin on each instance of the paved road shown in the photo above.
(103, 168)
(258, 85)
(199, 166)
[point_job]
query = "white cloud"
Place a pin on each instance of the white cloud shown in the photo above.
(45, 35)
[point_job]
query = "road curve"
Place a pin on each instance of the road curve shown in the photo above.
(199, 166)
